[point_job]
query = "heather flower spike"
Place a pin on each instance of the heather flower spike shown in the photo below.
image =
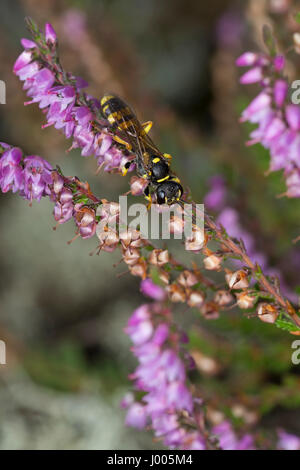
(277, 120)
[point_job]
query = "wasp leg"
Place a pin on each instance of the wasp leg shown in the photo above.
(148, 197)
(147, 126)
(123, 142)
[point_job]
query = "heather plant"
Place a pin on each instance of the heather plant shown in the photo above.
(227, 275)
(275, 110)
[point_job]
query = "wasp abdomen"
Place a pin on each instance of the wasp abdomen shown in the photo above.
(117, 112)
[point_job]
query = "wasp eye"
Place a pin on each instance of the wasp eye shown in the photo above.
(160, 196)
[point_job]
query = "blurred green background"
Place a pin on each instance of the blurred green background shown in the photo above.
(62, 312)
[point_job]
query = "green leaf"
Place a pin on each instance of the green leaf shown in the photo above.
(286, 325)
(155, 277)
(297, 17)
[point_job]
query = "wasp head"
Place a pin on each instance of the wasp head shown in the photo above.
(169, 192)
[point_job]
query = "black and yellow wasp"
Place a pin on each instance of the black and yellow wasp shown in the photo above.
(151, 164)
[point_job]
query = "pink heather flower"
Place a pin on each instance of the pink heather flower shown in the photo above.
(278, 123)
(161, 334)
(27, 72)
(214, 199)
(37, 177)
(23, 59)
(152, 290)
(11, 172)
(279, 63)
(85, 219)
(50, 34)
(63, 105)
(257, 108)
(293, 116)
(127, 400)
(280, 92)
(28, 44)
(248, 59)
(136, 416)
(293, 183)
(64, 207)
(229, 441)
(139, 327)
(161, 375)
(252, 76)
(288, 441)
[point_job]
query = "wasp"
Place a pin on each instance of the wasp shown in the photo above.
(151, 163)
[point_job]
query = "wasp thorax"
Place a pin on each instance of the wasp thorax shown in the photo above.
(160, 169)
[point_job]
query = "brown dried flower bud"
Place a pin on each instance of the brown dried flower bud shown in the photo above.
(205, 364)
(108, 237)
(129, 237)
(296, 38)
(223, 297)
(210, 311)
(238, 280)
(138, 185)
(195, 298)
(176, 225)
(131, 256)
(139, 269)
(164, 277)
(187, 279)
(159, 257)
(176, 293)
(267, 313)
(245, 300)
(196, 241)
(212, 262)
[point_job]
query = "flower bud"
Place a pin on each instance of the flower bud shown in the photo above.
(139, 269)
(176, 225)
(212, 263)
(128, 237)
(50, 34)
(187, 279)
(150, 289)
(108, 238)
(195, 299)
(296, 38)
(196, 241)
(138, 185)
(245, 300)
(176, 293)
(223, 297)
(267, 313)
(247, 59)
(205, 364)
(159, 257)
(164, 277)
(131, 256)
(210, 311)
(237, 280)
(58, 182)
